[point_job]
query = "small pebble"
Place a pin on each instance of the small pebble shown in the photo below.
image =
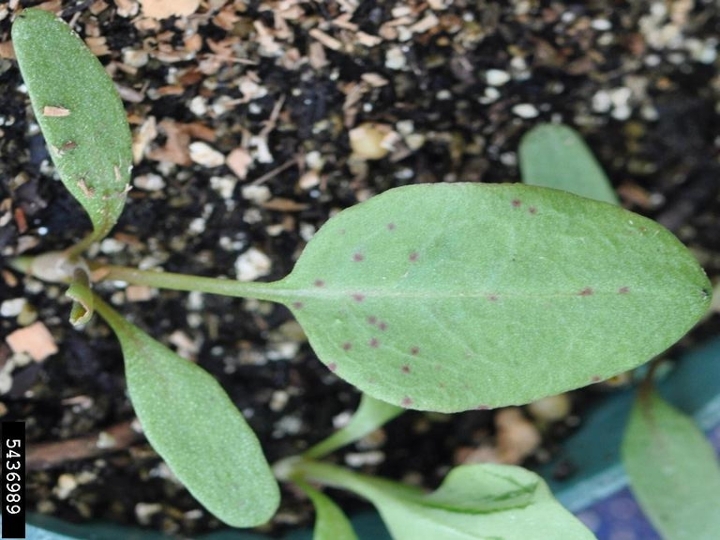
(602, 25)
(145, 511)
(65, 486)
(149, 182)
(252, 264)
(517, 437)
(278, 400)
(205, 155)
(497, 77)
(256, 194)
(551, 408)
(359, 459)
(13, 307)
(110, 245)
(366, 141)
(395, 58)
(525, 110)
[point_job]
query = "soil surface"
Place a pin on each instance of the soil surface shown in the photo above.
(242, 114)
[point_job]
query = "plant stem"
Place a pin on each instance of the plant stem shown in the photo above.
(371, 414)
(372, 488)
(331, 475)
(74, 252)
(183, 282)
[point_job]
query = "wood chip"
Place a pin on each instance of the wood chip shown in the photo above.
(35, 340)
(176, 147)
(329, 41)
(127, 8)
(143, 137)
(164, 9)
(284, 205)
(374, 79)
(239, 161)
(6, 50)
(98, 45)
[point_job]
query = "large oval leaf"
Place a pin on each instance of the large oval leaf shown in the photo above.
(673, 469)
(79, 112)
(190, 421)
(456, 296)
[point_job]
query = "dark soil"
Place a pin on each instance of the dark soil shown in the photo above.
(460, 82)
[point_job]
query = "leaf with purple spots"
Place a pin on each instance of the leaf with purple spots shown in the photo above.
(512, 305)
(471, 298)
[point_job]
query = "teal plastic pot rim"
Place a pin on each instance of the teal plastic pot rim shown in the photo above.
(693, 387)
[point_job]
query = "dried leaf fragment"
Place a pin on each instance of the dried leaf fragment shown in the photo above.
(49, 110)
(35, 340)
(164, 9)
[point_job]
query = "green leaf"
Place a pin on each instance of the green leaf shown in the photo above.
(673, 470)
(371, 414)
(331, 523)
(82, 297)
(79, 112)
(411, 516)
(198, 431)
(471, 488)
(555, 156)
(450, 297)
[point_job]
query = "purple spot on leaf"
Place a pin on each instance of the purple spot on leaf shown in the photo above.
(319, 283)
(405, 369)
(358, 257)
(358, 297)
(332, 366)
(532, 210)
(492, 297)
(596, 379)
(374, 343)
(382, 326)
(516, 203)
(391, 226)
(587, 291)
(372, 319)
(414, 351)
(623, 290)
(413, 256)
(406, 402)
(346, 346)
(297, 305)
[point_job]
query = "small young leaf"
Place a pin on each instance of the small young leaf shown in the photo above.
(472, 489)
(371, 414)
(79, 112)
(331, 523)
(198, 431)
(673, 470)
(82, 297)
(555, 156)
(411, 516)
(450, 297)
